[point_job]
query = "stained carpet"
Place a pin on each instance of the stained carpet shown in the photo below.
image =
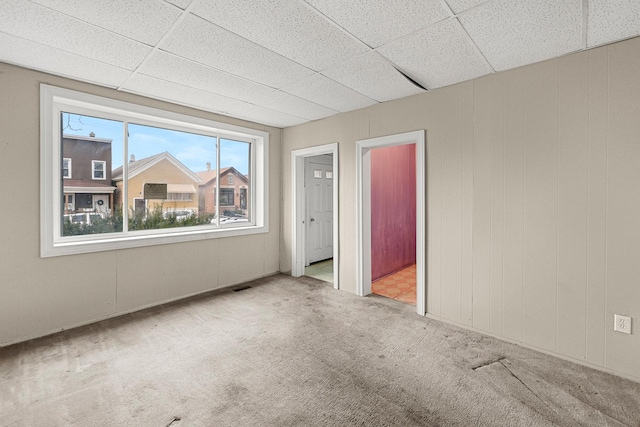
(296, 352)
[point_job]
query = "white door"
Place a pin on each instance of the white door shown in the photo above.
(100, 203)
(319, 208)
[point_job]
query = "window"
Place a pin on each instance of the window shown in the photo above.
(230, 179)
(98, 168)
(226, 197)
(66, 168)
(154, 169)
(180, 196)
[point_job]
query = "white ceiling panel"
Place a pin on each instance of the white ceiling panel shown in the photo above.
(324, 91)
(376, 22)
(188, 73)
(179, 94)
(515, 33)
(256, 113)
(37, 23)
(373, 76)
(290, 104)
(182, 4)
(144, 20)
(29, 54)
(287, 27)
(458, 6)
(611, 20)
(211, 45)
(438, 56)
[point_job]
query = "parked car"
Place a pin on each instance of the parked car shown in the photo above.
(180, 215)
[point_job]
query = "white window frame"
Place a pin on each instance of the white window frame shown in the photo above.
(93, 170)
(69, 162)
(54, 101)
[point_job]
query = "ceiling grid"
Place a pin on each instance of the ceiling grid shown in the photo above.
(286, 62)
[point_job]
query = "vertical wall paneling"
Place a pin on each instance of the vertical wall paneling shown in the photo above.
(497, 203)
(513, 202)
(451, 203)
(533, 179)
(482, 203)
(467, 204)
(393, 209)
(597, 194)
(434, 208)
(541, 205)
(623, 204)
(573, 146)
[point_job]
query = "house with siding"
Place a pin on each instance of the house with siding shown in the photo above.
(86, 174)
(178, 183)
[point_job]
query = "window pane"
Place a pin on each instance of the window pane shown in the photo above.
(168, 170)
(90, 148)
(235, 187)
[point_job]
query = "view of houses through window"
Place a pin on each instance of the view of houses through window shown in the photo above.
(170, 179)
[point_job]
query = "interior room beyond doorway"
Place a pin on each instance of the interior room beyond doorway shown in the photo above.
(393, 222)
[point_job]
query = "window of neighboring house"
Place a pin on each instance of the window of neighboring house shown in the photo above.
(226, 197)
(66, 168)
(230, 179)
(98, 168)
(180, 196)
(155, 159)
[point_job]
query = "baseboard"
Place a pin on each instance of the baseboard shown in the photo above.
(538, 349)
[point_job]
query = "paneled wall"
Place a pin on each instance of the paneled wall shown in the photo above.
(533, 199)
(40, 296)
(393, 209)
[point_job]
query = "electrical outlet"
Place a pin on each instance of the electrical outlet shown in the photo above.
(622, 323)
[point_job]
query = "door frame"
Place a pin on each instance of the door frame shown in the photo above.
(363, 217)
(298, 208)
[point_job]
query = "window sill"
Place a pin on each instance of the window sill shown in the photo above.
(115, 241)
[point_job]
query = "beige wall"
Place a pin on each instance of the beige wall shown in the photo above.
(533, 193)
(40, 296)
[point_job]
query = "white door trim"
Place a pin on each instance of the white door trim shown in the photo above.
(363, 217)
(297, 208)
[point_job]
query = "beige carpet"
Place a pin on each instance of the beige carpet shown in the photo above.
(295, 352)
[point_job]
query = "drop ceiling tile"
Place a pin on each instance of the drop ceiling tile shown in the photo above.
(376, 23)
(515, 33)
(437, 56)
(182, 4)
(612, 20)
(26, 53)
(178, 94)
(458, 6)
(144, 20)
(42, 25)
(188, 73)
(211, 45)
(373, 76)
(287, 27)
(324, 91)
(290, 104)
(258, 114)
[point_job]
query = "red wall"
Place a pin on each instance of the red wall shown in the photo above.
(393, 209)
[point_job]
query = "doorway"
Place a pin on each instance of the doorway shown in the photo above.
(314, 181)
(364, 207)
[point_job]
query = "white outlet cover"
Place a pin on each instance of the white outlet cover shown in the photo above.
(622, 323)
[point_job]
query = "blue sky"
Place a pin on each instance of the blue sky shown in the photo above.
(194, 151)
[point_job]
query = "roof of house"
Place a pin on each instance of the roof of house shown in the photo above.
(138, 166)
(208, 176)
